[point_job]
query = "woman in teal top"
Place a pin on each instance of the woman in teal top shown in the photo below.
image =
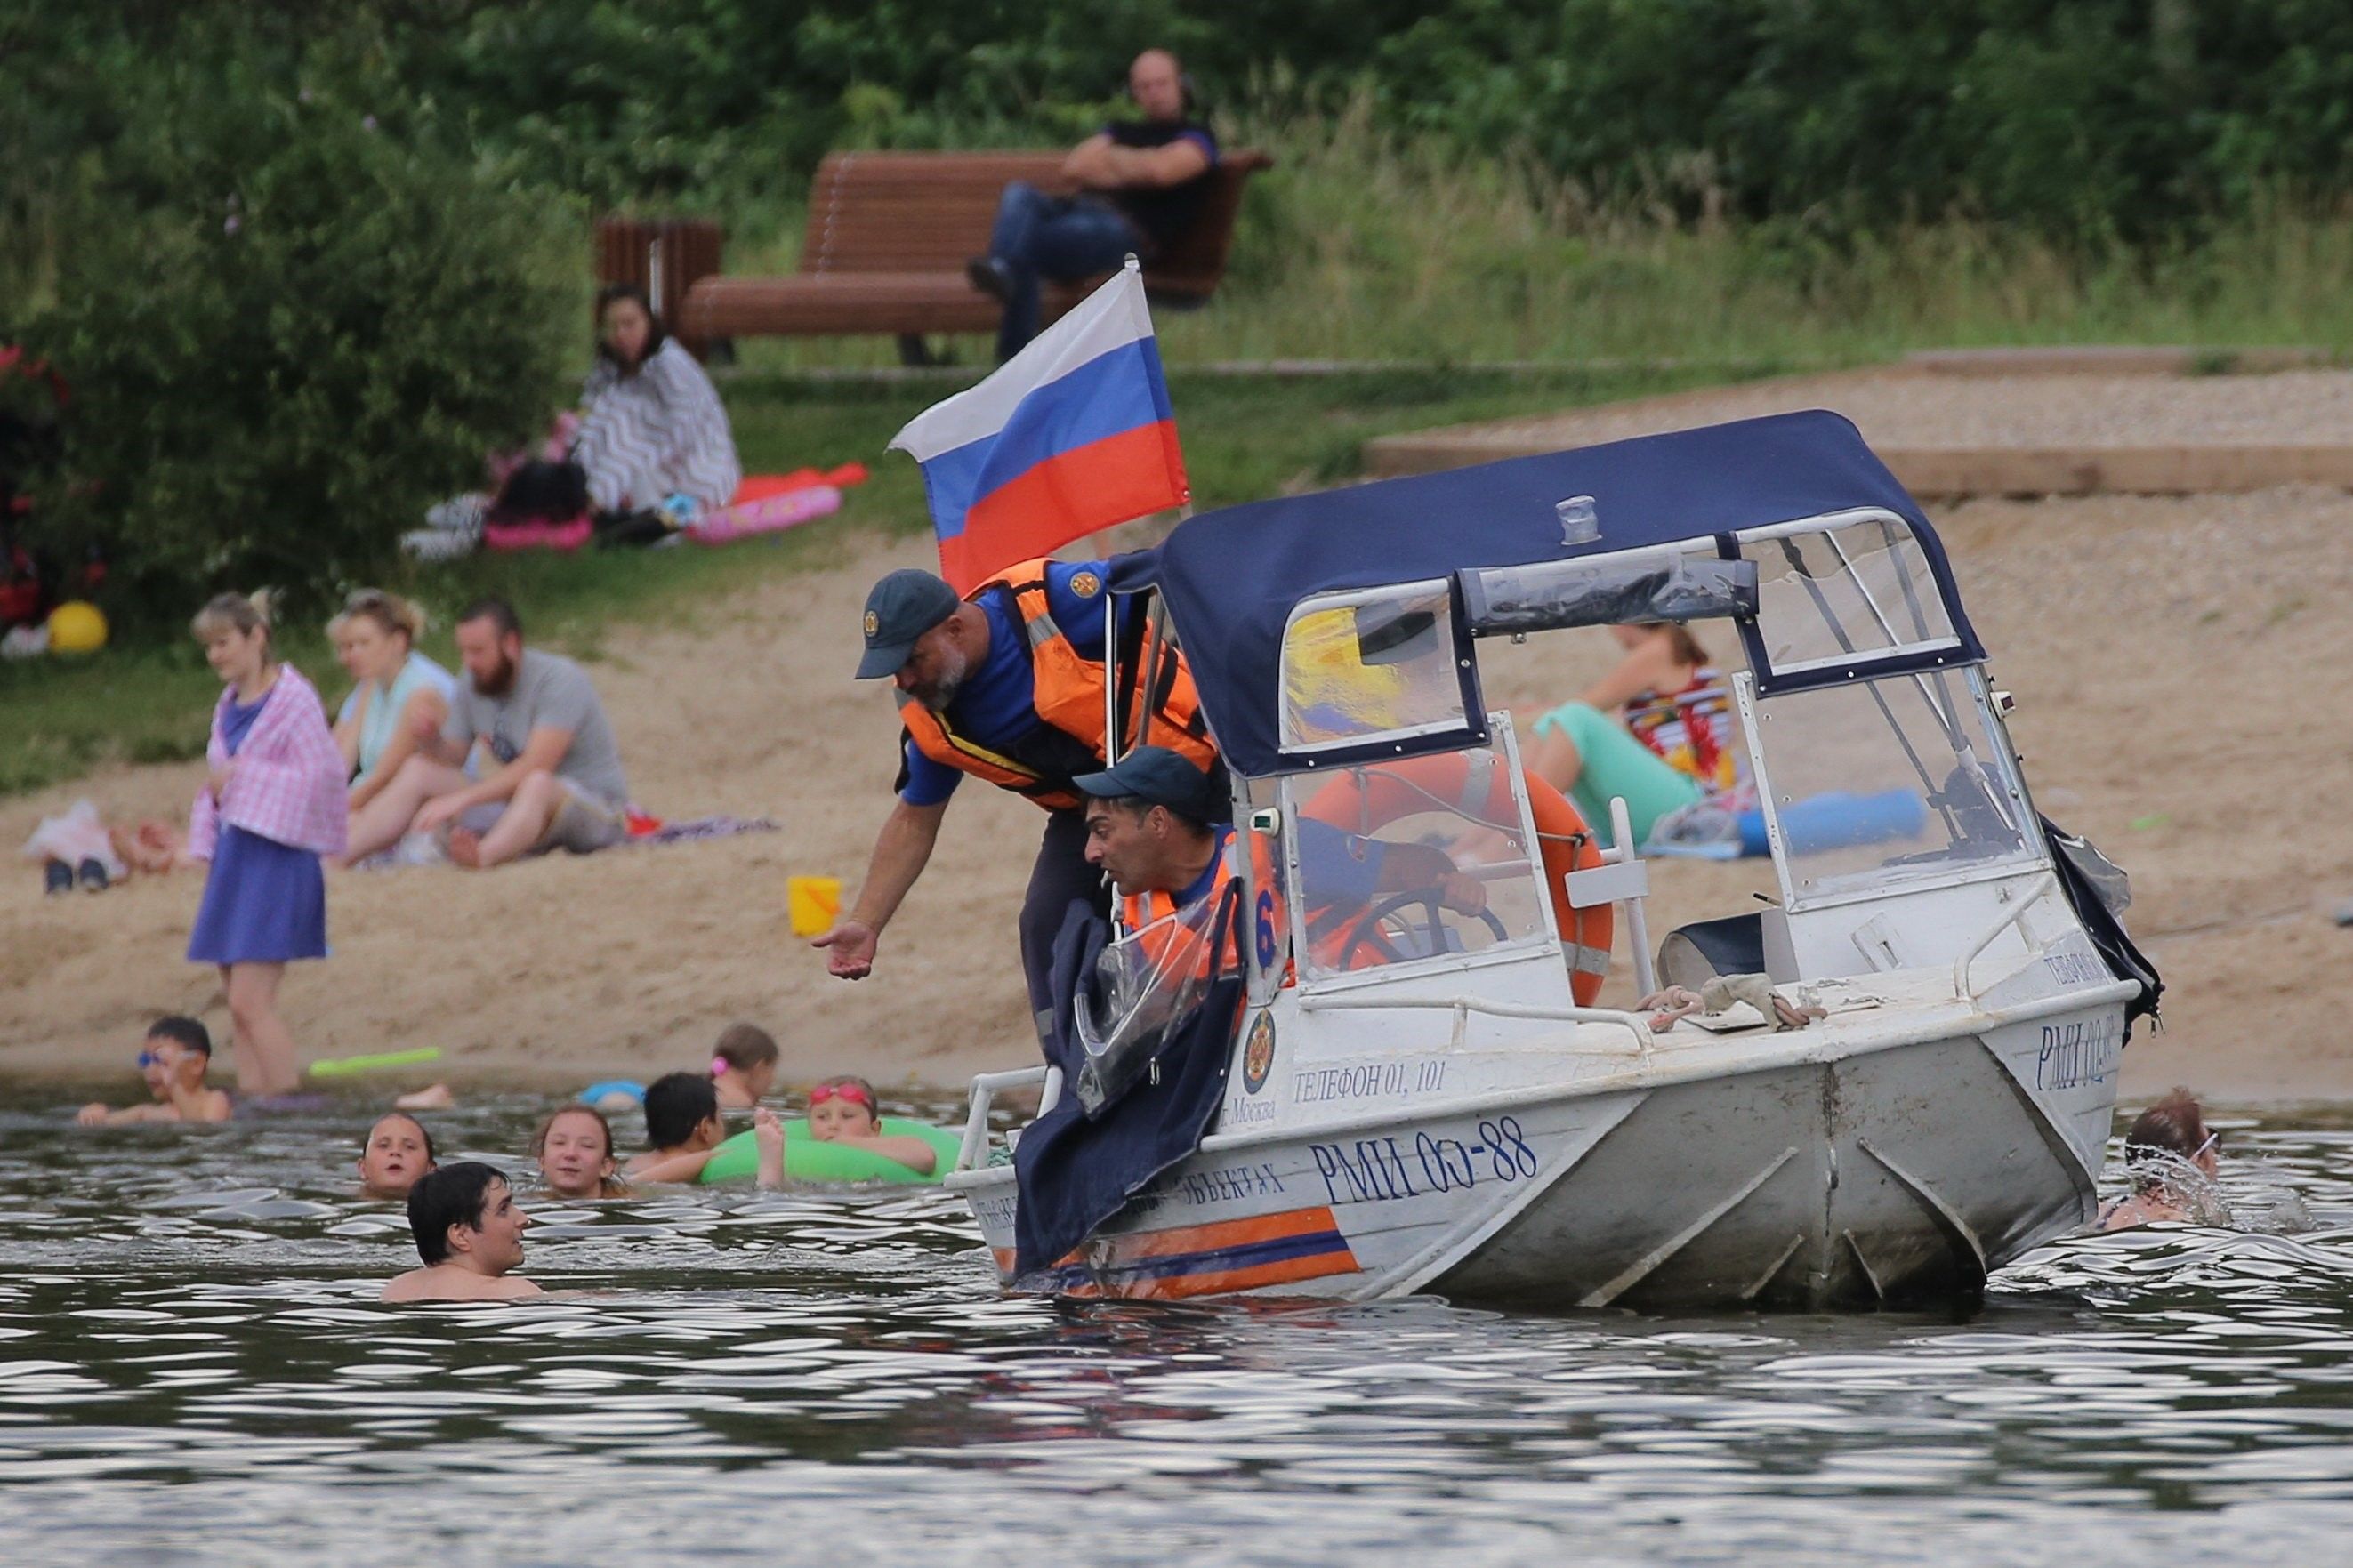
(399, 689)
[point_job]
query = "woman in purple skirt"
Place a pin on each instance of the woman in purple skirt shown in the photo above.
(274, 804)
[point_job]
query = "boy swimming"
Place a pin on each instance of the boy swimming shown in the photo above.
(843, 1110)
(468, 1235)
(394, 1153)
(176, 1055)
(682, 1128)
(575, 1148)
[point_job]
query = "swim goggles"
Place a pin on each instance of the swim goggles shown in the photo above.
(148, 1060)
(848, 1091)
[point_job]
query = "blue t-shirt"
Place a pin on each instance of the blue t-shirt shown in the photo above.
(996, 706)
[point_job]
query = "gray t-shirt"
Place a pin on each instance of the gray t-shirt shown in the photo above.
(550, 693)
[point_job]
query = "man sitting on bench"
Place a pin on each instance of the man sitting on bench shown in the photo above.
(1140, 184)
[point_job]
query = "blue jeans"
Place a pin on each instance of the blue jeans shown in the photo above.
(1061, 238)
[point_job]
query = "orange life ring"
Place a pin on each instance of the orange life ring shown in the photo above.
(1473, 782)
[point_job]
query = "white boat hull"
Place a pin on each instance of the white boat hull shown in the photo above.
(1820, 1176)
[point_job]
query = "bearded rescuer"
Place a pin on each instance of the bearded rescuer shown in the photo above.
(1009, 686)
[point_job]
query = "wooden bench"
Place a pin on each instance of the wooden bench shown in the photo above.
(889, 234)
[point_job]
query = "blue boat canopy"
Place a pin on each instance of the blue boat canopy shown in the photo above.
(1233, 578)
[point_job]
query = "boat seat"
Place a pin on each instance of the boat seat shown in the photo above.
(1694, 953)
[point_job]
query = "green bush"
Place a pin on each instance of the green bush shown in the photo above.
(288, 334)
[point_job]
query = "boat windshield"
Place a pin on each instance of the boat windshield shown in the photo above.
(1398, 862)
(1898, 778)
(1860, 591)
(1371, 664)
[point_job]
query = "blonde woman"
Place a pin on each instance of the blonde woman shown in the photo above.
(400, 692)
(271, 807)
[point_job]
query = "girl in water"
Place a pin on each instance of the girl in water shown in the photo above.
(742, 1067)
(575, 1149)
(273, 805)
(842, 1109)
(2172, 1159)
(395, 1153)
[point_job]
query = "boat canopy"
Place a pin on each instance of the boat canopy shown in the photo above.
(1238, 582)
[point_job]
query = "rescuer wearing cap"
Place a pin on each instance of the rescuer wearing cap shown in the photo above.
(1007, 685)
(1155, 824)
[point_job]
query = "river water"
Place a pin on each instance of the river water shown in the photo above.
(194, 1368)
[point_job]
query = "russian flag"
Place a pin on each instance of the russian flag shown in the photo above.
(1071, 435)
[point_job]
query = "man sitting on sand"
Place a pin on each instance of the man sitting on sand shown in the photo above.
(469, 1233)
(553, 779)
(177, 1055)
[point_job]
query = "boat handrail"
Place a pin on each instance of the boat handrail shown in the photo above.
(2044, 884)
(1634, 1023)
(985, 1085)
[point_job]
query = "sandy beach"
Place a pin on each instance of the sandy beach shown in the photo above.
(2183, 666)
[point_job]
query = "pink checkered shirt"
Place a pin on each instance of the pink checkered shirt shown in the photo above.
(289, 783)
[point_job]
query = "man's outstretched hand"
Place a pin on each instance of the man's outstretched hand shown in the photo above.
(851, 944)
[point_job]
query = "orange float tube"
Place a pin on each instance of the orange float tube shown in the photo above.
(1473, 784)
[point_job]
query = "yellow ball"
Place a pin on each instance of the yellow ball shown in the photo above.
(77, 627)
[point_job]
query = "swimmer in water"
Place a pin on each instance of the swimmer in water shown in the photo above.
(742, 1067)
(574, 1147)
(682, 1128)
(2170, 1154)
(469, 1232)
(177, 1054)
(395, 1153)
(843, 1110)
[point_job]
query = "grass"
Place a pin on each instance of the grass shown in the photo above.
(1359, 245)
(1244, 437)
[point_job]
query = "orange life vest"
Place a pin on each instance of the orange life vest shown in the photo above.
(1067, 691)
(1266, 925)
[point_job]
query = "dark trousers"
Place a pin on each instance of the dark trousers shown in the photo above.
(1060, 237)
(1060, 878)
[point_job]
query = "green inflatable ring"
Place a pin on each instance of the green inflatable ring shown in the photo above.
(808, 1159)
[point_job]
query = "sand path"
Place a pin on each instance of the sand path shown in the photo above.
(2185, 665)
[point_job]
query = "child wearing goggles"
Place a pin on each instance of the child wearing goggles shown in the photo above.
(843, 1110)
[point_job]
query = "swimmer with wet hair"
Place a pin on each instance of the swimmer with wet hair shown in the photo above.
(575, 1149)
(175, 1058)
(2170, 1154)
(742, 1067)
(844, 1111)
(469, 1232)
(397, 1151)
(682, 1128)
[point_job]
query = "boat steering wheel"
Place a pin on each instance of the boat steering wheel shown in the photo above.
(1370, 926)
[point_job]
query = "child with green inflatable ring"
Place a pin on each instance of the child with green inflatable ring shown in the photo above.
(846, 1139)
(809, 1159)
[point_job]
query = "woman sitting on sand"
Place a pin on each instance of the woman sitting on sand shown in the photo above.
(2172, 1159)
(399, 691)
(1671, 747)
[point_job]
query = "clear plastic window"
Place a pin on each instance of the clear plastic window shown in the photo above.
(1889, 780)
(1861, 590)
(1398, 862)
(1367, 665)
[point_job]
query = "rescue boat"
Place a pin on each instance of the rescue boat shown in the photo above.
(1457, 1113)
